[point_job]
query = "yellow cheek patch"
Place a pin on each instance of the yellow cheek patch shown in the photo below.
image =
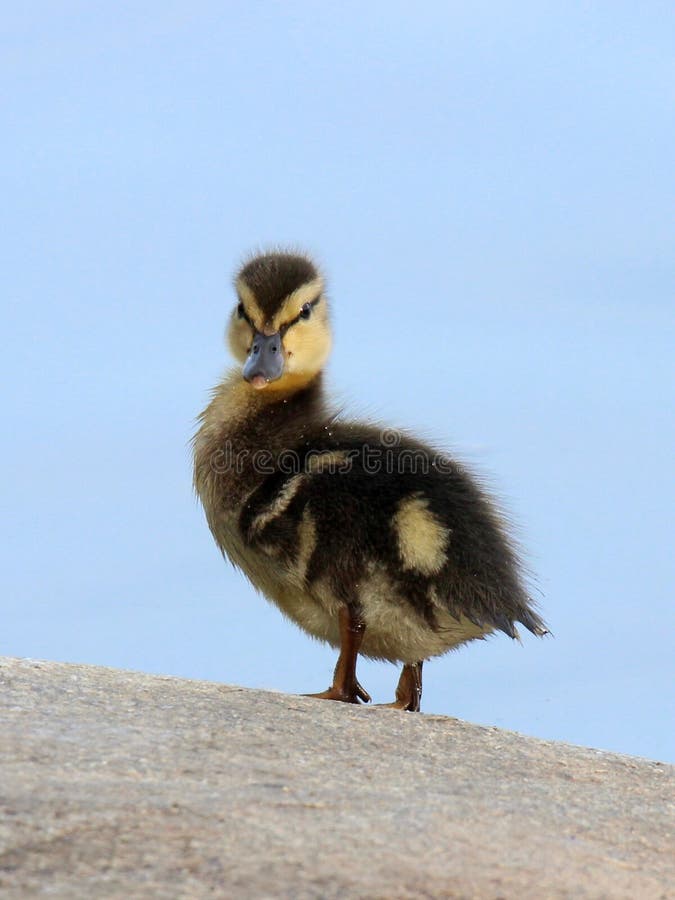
(307, 345)
(422, 540)
(239, 338)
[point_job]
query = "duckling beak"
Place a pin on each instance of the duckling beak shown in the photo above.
(265, 361)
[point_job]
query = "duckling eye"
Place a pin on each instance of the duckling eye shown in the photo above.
(306, 311)
(240, 311)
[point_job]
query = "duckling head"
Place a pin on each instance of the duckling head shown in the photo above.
(279, 329)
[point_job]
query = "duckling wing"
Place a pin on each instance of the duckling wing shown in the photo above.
(398, 528)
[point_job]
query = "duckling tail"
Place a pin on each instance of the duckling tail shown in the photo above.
(533, 622)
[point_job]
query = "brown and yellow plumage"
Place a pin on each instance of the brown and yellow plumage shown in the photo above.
(367, 539)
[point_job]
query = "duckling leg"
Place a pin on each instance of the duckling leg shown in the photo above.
(409, 690)
(345, 687)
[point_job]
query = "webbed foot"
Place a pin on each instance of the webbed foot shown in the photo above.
(355, 694)
(409, 690)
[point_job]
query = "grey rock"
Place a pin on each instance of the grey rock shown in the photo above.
(115, 784)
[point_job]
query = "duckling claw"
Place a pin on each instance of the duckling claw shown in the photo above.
(409, 690)
(356, 694)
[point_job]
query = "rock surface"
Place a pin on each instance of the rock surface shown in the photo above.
(115, 784)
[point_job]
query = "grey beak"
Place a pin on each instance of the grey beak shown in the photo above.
(265, 357)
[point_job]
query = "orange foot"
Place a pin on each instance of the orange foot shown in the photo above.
(409, 690)
(352, 694)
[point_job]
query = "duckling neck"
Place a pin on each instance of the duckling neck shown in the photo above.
(276, 420)
(244, 432)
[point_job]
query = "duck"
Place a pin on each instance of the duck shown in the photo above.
(365, 537)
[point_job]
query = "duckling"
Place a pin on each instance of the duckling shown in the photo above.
(366, 538)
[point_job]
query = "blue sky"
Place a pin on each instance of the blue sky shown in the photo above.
(490, 192)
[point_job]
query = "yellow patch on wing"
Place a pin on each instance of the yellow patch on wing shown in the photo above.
(317, 463)
(306, 543)
(279, 504)
(422, 539)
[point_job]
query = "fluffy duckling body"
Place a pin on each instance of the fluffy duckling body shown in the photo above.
(366, 538)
